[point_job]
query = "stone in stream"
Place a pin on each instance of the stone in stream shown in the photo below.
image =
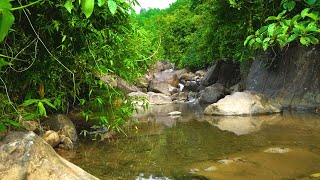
(52, 138)
(174, 113)
(243, 103)
(277, 150)
(24, 155)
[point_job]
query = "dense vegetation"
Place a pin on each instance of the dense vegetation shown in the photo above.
(196, 32)
(52, 53)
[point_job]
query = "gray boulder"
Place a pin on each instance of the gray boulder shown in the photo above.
(191, 86)
(212, 93)
(161, 87)
(27, 156)
(62, 124)
(243, 103)
(167, 76)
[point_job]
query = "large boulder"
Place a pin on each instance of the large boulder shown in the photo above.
(212, 93)
(226, 73)
(292, 77)
(151, 97)
(243, 103)
(116, 81)
(161, 87)
(27, 156)
(62, 124)
(167, 76)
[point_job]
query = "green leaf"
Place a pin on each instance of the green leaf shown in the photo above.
(310, 2)
(29, 102)
(47, 102)
(296, 31)
(272, 18)
(4, 63)
(69, 5)
(112, 6)
(87, 7)
(6, 21)
(289, 5)
(101, 2)
(294, 19)
(300, 27)
(281, 14)
(305, 41)
(5, 4)
(11, 122)
(304, 12)
(313, 15)
(42, 109)
(262, 29)
(271, 28)
(247, 40)
(292, 37)
(313, 39)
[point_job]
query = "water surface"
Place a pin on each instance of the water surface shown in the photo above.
(191, 146)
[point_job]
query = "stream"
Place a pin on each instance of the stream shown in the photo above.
(157, 146)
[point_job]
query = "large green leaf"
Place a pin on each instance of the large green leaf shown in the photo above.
(87, 7)
(6, 21)
(5, 4)
(112, 6)
(305, 12)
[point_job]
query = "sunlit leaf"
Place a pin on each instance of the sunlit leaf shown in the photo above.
(112, 6)
(305, 12)
(69, 5)
(87, 7)
(316, 175)
(42, 109)
(47, 102)
(29, 102)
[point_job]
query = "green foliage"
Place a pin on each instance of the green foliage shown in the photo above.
(299, 21)
(53, 59)
(194, 33)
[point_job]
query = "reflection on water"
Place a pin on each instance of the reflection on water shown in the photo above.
(164, 147)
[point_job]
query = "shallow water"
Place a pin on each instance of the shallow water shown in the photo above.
(190, 147)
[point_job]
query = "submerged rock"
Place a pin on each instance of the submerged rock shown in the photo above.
(244, 103)
(27, 156)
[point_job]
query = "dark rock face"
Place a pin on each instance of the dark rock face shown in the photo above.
(293, 78)
(191, 86)
(226, 73)
(212, 93)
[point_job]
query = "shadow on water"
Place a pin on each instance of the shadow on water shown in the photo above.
(187, 147)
